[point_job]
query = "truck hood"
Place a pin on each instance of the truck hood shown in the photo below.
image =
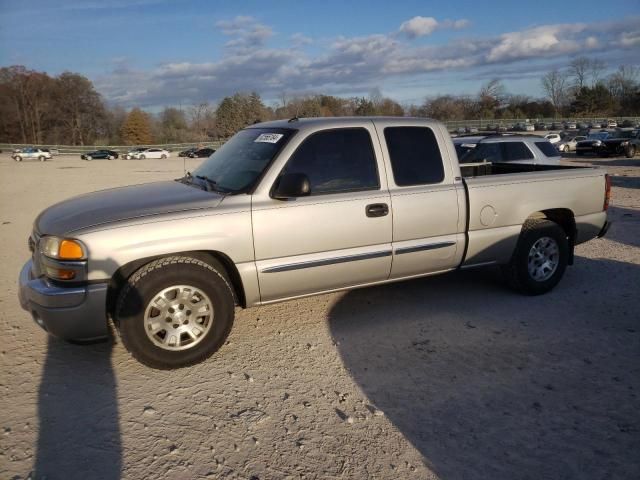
(125, 203)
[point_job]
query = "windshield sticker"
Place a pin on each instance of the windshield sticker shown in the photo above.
(268, 138)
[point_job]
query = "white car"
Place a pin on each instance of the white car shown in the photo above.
(568, 144)
(553, 137)
(31, 153)
(529, 127)
(148, 153)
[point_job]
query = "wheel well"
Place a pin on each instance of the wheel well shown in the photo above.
(566, 219)
(214, 258)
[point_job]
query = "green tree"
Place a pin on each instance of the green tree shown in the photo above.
(136, 129)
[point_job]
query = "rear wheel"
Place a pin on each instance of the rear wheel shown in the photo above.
(175, 312)
(163, 156)
(18, 158)
(111, 157)
(42, 158)
(89, 158)
(142, 157)
(566, 149)
(540, 258)
(630, 152)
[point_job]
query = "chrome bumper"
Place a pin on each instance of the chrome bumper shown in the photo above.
(72, 313)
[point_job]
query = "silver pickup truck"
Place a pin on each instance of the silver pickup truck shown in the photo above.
(288, 209)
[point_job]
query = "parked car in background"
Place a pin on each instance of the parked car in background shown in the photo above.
(611, 124)
(492, 127)
(593, 144)
(150, 153)
(133, 152)
(630, 124)
(465, 144)
(621, 142)
(568, 144)
(553, 137)
(513, 149)
(557, 126)
(541, 126)
(31, 153)
(185, 153)
(529, 127)
(202, 153)
(570, 125)
(100, 155)
(582, 126)
(471, 130)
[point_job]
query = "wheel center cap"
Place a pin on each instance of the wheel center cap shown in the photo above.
(179, 316)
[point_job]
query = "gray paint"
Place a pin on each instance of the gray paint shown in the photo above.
(112, 205)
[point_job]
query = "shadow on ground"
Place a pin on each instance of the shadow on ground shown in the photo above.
(486, 383)
(79, 434)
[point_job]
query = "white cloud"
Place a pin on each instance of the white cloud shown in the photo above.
(423, 26)
(419, 26)
(545, 40)
(246, 31)
(300, 40)
(629, 39)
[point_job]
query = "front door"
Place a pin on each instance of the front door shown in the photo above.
(339, 235)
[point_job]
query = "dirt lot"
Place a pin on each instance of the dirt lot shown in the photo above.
(447, 377)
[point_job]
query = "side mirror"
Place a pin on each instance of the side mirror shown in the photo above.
(291, 185)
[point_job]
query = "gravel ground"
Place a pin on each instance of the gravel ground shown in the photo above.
(446, 377)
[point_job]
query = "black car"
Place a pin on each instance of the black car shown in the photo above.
(187, 152)
(622, 142)
(201, 153)
(100, 155)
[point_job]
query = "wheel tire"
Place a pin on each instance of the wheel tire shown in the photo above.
(163, 156)
(145, 285)
(89, 158)
(631, 151)
(111, 157)
(41, 158)
(517, 272)
(18, 158)
(142, 157)
(566, 149)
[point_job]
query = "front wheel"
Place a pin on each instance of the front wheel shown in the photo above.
(630, 152)
(175, 312)
(566, 149)
(540, 258)
(142, 157)
(41, 158)
(89, 158)
(163, 156)
(111, 157)
(18, 158)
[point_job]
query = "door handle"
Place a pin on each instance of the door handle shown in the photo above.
(377, 210)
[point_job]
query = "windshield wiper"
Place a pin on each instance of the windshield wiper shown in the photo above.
(211, 184)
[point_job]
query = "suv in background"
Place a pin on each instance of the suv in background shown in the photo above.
(514, 149)
(31, 153)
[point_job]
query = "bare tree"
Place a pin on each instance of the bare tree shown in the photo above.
(598, 67)
(579, 69)
(554, 85)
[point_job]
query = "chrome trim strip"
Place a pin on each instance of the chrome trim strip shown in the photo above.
(420, 248)
(328, 261)
(481, 264)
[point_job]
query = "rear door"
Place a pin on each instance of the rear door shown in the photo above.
(339, 235)
(428, 201)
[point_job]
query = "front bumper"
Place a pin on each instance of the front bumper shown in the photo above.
(72, 313)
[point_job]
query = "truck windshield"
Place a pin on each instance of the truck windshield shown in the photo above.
(237, 165)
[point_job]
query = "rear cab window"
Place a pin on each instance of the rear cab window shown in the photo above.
(516, 151)
(548, 149)
(414, 155)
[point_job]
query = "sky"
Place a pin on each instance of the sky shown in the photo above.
(156, 53)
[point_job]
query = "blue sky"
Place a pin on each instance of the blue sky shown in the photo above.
(153, 53)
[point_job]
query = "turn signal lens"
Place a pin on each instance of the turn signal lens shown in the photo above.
(60, 273)
(70, 250)
(62, 249)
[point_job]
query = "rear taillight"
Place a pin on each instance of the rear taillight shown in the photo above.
(607, 191)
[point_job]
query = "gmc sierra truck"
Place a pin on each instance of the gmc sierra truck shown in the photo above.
(288, 209)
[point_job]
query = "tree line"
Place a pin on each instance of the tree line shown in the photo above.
(66, 109)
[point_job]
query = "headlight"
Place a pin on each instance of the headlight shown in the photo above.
(62, 248)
